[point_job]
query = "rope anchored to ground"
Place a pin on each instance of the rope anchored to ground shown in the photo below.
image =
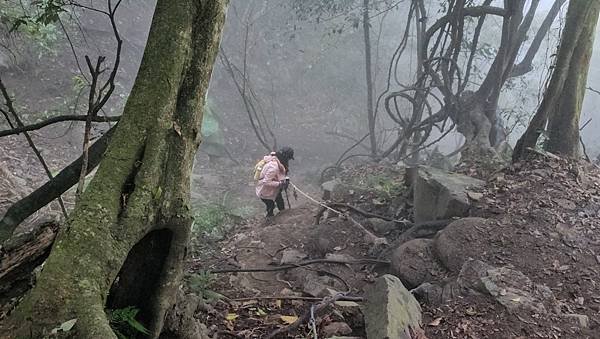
(370, 237)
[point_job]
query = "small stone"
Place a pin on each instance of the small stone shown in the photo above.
(474, 195)
(566, 204)
(290, 256)
(381, 226)
(582, 320)
(336, 328)
(330, 185)
(344, 303)
(320, 246)
(317, 286)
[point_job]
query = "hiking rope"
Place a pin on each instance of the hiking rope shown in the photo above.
(314, 200)
(313, 322)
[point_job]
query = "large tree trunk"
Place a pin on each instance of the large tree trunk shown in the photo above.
(561, 106)
(131, 228)
(479, 121)
(563, 124)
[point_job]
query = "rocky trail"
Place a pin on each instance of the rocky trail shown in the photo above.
(450, 256)
(406, 253)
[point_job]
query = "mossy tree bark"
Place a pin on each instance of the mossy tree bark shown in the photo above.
(560, 109)
(124, 243)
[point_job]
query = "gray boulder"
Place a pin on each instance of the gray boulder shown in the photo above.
(390, 310)
(380, 226)
(336, 328)
(414, 263)
(450, 243)
(509, 287)
(442, 195)
(329, 187)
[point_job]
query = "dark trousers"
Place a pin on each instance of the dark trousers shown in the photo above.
(271, 204)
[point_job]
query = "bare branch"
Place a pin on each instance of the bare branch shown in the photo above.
(593, 90)
(249, 108)
(9, 104)
(5, 113)
(473, 50)
(526, 65)
(65, 179)
(468, 11)
(97, 100)
(54, 120)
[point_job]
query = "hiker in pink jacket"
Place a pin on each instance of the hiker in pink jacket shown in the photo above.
(273, 179)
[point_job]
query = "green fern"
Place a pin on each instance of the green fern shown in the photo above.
(123, 322)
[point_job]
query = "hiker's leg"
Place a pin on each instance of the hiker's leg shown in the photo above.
(270, 206)
(279, 201)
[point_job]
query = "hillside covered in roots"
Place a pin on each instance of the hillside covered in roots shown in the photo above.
(515, 255)
(521, 261)
(340, 169)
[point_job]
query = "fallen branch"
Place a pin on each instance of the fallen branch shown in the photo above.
(315, 309)
(54, 120)
(368, 214)
(371, 238)
(22, 255)
(287, 297)
(301, 264)
(58, 185)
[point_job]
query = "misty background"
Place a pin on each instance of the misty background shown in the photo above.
(305, 71)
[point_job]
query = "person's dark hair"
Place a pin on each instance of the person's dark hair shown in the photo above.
(285, 154)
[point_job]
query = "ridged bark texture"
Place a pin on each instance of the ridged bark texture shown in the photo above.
(133, 221)
(560, 108)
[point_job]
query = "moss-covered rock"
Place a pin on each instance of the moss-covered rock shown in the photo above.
(390, 310)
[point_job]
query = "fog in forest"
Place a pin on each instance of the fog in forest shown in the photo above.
(370, 90)
(289, 73)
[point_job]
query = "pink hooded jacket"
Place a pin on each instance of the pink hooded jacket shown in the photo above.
(270, 176)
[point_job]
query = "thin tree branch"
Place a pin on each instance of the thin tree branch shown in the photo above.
(5, 113)
(65, 179)
(468, 11)
(9, 104)
(98, 100)
(287, 297)
(301, 264)
(526, 65)
(54, 120)
(230, 69)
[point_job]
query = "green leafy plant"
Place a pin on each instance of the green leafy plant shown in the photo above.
(208, 217)
(35, 21)
(386, 186)
(201, 281)
(201, 284)
(123, 322)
